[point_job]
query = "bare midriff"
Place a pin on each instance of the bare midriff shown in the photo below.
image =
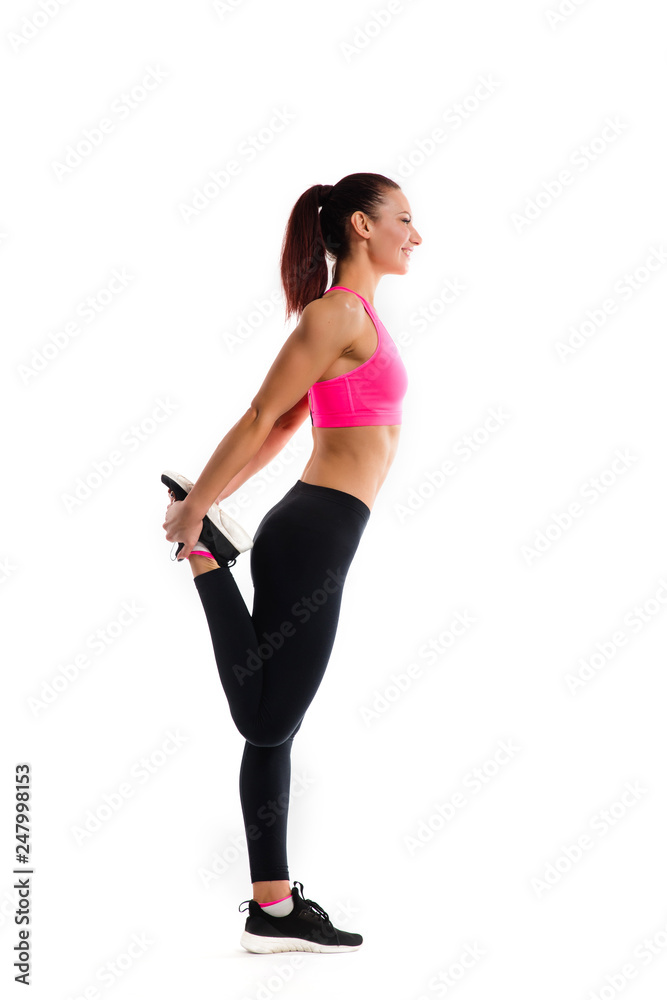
(353, 459)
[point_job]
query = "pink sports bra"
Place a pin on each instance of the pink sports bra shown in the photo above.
(370, 394)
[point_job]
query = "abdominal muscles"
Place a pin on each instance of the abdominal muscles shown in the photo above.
(355, 460)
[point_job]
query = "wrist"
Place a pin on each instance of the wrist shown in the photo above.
(195, 506)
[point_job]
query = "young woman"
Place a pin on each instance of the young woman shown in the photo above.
(340, 366)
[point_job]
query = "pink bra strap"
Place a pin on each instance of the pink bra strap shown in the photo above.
(349, 290)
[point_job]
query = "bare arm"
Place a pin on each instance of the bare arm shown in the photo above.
(283, 429)
(325, 329)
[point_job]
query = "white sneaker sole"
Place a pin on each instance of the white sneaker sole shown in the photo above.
(225, 524)
(270, 945)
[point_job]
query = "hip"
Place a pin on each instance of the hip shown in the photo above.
(314, 517)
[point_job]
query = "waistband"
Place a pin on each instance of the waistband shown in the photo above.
(329, 493)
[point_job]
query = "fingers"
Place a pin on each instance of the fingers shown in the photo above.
(169, 526)
(167, 522)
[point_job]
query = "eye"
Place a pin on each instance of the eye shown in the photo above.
(406, 220)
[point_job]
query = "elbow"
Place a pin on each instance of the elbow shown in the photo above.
(257, 417)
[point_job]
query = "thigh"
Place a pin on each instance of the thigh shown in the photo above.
(300, 557)
(301, 551)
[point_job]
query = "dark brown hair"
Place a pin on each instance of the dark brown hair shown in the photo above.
(311, 234)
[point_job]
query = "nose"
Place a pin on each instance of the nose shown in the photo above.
(415, 238)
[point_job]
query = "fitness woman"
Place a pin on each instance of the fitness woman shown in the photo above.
(341, 367)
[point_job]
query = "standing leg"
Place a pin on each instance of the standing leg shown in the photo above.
(264, 786)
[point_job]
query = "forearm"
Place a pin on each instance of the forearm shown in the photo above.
(275, 442)
(233, 454)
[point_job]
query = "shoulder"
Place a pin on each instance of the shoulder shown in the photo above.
(337, 307)
(334, 322)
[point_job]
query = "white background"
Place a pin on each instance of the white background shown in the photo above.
(494, 878)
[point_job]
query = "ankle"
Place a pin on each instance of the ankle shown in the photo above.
(269, 892)
(201, 564)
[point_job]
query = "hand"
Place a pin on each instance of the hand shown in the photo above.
(181, 526)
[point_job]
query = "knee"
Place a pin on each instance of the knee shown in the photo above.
(262, 737)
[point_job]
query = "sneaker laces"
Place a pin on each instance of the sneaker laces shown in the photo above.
(319, 912)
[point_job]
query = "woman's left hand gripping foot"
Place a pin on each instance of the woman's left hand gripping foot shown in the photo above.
(181, 526)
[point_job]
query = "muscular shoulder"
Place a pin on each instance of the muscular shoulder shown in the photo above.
(337, 311)
(338, 302)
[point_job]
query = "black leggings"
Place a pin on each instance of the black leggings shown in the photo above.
(271, 662)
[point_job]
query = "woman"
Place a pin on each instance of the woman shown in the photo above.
(340, 366)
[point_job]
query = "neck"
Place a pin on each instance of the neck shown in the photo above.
(359, 280)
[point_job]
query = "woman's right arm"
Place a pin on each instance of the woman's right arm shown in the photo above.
(326, 328)
(284, 428)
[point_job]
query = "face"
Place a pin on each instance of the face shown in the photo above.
(393, 237)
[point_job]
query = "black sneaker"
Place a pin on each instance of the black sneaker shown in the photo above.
(221, 534)
(306, 928)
